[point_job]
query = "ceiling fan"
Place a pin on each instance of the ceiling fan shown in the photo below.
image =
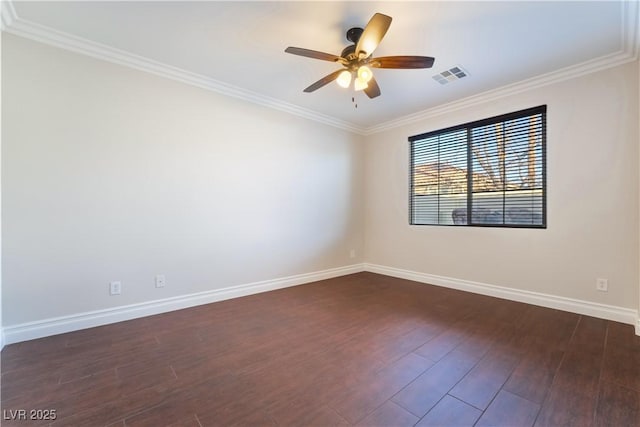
(357, 60)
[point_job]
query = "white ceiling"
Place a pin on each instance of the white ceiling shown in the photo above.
(239, 46)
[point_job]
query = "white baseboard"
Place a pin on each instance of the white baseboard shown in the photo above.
(602, 311)
(59, 325)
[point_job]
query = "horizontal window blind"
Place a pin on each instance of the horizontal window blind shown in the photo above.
(486, 173)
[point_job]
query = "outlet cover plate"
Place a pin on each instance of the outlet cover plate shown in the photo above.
(602, 285)
(160, 281)
(115, 288)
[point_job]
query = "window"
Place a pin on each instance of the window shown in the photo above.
(486, 173)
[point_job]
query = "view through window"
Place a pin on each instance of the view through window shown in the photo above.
(486, 173)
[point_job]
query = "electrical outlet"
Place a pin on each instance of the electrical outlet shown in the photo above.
(115, 288)
(160, 281)
(352, 253)
(602, 285)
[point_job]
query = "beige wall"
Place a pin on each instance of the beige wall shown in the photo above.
(114, 174)
(592, 199)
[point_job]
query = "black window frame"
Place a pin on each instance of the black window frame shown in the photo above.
(541, 109)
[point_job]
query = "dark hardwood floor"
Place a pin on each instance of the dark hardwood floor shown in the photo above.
(363, 349)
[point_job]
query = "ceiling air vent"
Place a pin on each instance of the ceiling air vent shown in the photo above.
(452, 74)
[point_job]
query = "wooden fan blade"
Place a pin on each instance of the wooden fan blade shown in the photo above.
(402, 62)
(373, 89)
(312, 54)
(323, 81)
(373, 34)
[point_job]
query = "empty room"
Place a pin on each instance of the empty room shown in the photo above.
(230, 213)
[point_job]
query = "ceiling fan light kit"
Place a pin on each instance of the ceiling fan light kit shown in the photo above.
(365, 74)
(357, 58)
(360, 84)
(344, 79)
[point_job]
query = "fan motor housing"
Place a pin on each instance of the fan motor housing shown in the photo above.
(353, 34)
(349, 52)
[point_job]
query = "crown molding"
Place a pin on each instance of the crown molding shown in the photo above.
(13, 24)
(630, 41)
(631, 28)
(630, 38)
(7, 13)
(543, 80)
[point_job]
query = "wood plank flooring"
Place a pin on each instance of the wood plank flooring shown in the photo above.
(362, 349)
